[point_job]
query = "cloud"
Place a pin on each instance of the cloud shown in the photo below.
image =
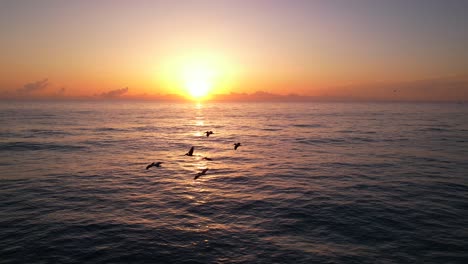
(34, 86)
(259, 96)
(114, 93)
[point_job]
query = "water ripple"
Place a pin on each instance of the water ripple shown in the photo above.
(311, 183)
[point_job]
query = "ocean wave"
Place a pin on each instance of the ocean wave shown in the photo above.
(9, 134)
(307, 125)
(45, 132)
(344, 140)
(433, 129)
(35, 146)
(312, 141)
(338, 165)
(147, 128)
(109, 129)
(271, 129)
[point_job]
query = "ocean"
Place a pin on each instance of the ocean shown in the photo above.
(311, 182)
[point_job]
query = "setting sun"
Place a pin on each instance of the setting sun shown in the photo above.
(198, 75)
(198, 81)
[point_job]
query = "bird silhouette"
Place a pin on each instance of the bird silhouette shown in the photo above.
(203, 172)
(236, 145)
(154, 164)
(190, 152)
(208, 133)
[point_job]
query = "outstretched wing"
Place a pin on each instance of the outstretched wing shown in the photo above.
(190, 153)
(149, 166)
(200, 174)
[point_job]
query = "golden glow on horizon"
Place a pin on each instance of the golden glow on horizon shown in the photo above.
(197, 75)
(198, 80)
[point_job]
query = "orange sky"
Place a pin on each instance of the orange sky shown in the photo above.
(317, 48)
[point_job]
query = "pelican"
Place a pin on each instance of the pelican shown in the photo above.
(154, 164)
(208, 133)
(236, 145)
(190, 152)
(203, 172)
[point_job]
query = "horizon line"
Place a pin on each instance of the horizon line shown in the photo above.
(224, 98)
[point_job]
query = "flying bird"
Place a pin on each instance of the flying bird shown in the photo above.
(190, 152)
(236, 145)
(208, 133)
(203, 172)
(154, 164)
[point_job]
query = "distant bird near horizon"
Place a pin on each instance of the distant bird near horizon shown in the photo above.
(190, 152)
(206, 158)
(203, 172)
(236, 145)
(154, 164)
(208, 133)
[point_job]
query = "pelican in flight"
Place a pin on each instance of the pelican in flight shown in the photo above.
(236, 145)
(190, 152)
(203, 172)
(154, 164)
(208, 133)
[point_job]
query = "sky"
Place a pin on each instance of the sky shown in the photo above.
(376, 49)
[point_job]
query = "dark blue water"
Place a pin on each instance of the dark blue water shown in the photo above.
(311, 183)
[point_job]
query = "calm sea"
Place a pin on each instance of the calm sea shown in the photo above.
(311, 183)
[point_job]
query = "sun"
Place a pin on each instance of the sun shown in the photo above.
(197, 77)
(198, 80)
(198, 84)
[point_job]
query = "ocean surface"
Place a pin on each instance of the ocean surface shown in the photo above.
(311, 183)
